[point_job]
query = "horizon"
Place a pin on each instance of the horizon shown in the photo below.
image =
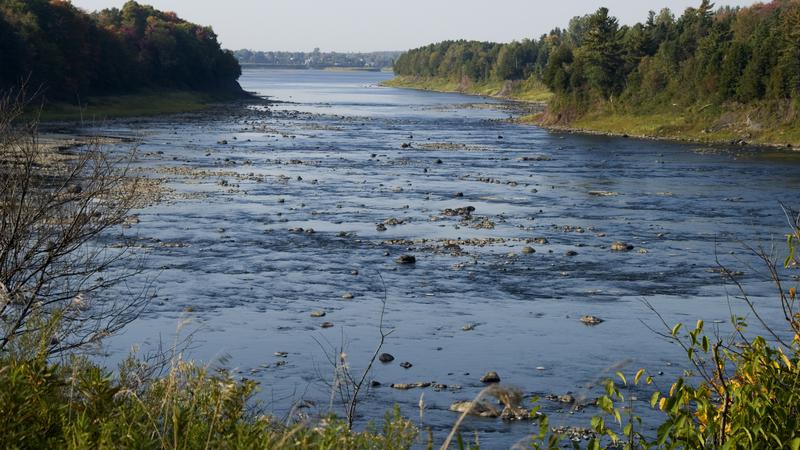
(345, 26)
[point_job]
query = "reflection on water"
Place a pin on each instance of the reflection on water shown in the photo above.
(331, 161)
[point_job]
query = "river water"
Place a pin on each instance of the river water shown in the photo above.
(228, 255)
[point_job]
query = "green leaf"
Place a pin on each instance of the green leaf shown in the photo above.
(654, 399)
(676, 328)
(795, 445)
(622, 377)
(638, 375)
(598, 424)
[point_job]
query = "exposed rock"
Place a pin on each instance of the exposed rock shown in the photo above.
(528, 250)
(380, 227)
(490, 377)
(566, 398)
(464, 211)
(348, 296)
(571, 253)
(574, 434)
(406, 259)
(326, 325)
(479, 223)
(515, 413)
(406, 365)
(319, 313)
(469, 327)
(407, 386)
(540, 241)
(602, 193)
(281, 354)
(591, 320)
(621, 247)
(385, 358)
(481, 408)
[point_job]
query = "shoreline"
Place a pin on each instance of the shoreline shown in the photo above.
(534, 119)
(141, 104)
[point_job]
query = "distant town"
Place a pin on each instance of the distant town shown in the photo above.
(317, 59)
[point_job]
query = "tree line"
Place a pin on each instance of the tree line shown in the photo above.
(744, 54)
(65, 52)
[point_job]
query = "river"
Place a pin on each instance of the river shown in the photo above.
(229, 257)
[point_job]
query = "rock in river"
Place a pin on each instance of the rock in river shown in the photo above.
(406, 259)
(591, 320)
(481, 408)
(319, 313)
(490, 377)
(406, 365)
(348, 296)
(528, 250)
(621, 247)
(385, 358)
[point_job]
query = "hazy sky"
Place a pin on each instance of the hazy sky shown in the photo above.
(367, 25)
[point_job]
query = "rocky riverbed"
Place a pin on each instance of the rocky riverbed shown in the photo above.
(505, 254)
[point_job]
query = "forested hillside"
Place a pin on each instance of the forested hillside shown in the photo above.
(707, 61)
(66, 53)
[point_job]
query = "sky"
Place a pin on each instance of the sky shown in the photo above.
(370, 25)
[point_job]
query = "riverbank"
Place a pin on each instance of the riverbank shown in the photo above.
(524, 91)
(707, 124)
(139, 104)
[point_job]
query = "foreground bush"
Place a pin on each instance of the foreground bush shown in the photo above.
(78, 405)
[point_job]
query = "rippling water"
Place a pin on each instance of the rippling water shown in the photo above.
(330, 158)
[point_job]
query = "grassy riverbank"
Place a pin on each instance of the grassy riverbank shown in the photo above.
(708, 124)
(525, 91)
(140, 104)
